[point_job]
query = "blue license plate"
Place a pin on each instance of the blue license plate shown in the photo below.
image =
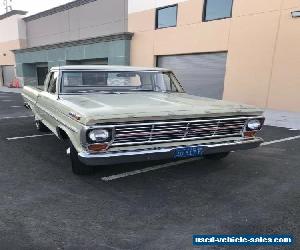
(188, 152)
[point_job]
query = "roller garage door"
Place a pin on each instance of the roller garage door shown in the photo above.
(199, 74)
(8, 73)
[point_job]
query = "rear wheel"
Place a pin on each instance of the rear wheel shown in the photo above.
(78, 167)
(41, 126)
(218, 156)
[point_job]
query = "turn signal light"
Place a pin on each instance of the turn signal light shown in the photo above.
(98, 147)
(250, 134)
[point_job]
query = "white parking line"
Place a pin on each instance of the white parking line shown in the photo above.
(29, 136)
(145, 170)
(281, 140)
(16, 106)
(16, 117)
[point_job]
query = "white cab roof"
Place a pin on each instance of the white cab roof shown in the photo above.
(106, 68)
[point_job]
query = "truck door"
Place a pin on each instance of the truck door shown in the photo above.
(47, 101)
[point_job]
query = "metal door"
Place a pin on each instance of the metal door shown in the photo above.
(8, 73)
(199, 74)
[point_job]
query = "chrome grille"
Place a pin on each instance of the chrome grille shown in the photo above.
(172, 131)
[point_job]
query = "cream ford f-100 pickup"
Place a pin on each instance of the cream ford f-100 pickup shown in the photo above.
(116, 114)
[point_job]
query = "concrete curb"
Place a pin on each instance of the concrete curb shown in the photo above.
(10, 90)
(283, 119)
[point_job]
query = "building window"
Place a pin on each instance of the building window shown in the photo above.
(217, 9)
(166, 17)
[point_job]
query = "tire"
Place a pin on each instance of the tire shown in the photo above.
(78, 167)
(218, 156)
(41, 126)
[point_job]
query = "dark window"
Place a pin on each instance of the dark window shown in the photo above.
(166, 17)
(41, 75)
(217, 9)
(52, 83)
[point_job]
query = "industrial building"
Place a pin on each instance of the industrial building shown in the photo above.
(12, 36)
(238, 50)
(79, 32)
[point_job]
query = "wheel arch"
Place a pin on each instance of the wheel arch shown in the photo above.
(62, 133)
(66, 134)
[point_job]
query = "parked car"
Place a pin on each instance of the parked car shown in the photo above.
(116, 114)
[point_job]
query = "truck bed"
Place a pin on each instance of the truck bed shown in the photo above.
(30, 95)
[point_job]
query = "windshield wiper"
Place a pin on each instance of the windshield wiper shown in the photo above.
(141, 90)
(97, 91)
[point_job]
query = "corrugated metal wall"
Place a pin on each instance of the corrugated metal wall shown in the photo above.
(200, 74)
(8, 73)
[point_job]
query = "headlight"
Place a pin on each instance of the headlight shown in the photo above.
(254, 125)
(99, 135)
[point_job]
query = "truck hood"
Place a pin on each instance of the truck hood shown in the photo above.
(99, 108)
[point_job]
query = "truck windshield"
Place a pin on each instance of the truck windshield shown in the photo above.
(118, 81)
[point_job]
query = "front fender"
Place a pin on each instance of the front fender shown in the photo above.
(73, 136)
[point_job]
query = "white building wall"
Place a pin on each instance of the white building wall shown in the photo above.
(12, 28)
(93, 19)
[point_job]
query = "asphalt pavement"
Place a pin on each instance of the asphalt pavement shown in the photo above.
(44, 206)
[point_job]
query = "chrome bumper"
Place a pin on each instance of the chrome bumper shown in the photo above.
(111, 158)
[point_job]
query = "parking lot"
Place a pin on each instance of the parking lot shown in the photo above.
(150, 205)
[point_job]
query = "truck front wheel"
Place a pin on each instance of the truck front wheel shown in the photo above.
(78, 167)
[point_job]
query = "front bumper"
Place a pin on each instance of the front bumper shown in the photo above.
(111, 158)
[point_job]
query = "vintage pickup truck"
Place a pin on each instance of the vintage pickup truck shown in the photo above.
(116, 114)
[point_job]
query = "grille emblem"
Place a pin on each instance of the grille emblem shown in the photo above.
(187, 130)
(151, 133)
(216, 128)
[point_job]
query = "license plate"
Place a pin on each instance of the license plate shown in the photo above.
(188, 152)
